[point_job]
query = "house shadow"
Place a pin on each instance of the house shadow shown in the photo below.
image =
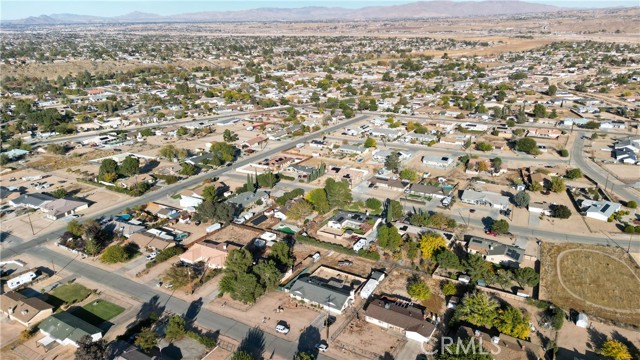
(91, 318)
(253, 343)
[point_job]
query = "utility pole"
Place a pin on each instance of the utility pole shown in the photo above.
(327, 320)
(30, 224)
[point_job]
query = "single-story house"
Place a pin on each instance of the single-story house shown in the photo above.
(301, 171)
(67, 329)
(212, 253)
(26, 311)
(320, 144)
(332, 296)
(438, 162)
(543, 208)
(625, 155)
(130, 182)
(599, 210)
(501, 346)
(14, 154)
(387, 183)
(387, 133)
(149, 240)
(352, 149)
(632, 143)
(125, 229)
(200, 160)
(400, 316)
(485, 198)
(544, 133)
(258, 140)
(34, 201)
(353, 220)
(420, 138)
(248, 198)
(62, 207)
(428, 191)
(496, 252)
(380, 155)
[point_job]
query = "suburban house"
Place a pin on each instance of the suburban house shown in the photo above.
(320, 144)
(387, 133)
(625, 155)
(62, 207)
(278, 163)
(33, 201)
(350, 175)
(132, 181)
(380, 155)
(26, 311)
(247, 199)
(599, 210)
(485, 198)
(332, 295)
(438, 162)
(190, 199)
(212, 253)
(351, 149)
(632, 143)
(66, 329)
(151, 241)
(301, 171)
(353, 220)
(544, 133)
(125, 229)
(509, 347)
(420, 138)
(253, 142)
(200, 160)
(543, 208)
(132, 353)
(401, 316)
(495, 252)
(15, 154)
(388, 183)
(428, 191)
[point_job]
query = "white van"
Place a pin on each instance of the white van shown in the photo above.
(21, 280)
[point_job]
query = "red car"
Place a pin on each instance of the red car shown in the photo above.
(489, 232)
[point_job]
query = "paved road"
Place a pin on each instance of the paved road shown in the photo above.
(205, 318)
(172, 189)
(598, 174)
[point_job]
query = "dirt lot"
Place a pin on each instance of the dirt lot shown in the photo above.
(626, 173)
(396, 284)
(600, 281)
(363, 340)
(234, 233)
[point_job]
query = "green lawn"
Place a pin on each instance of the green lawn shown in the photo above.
(70, 293)
(103, 309)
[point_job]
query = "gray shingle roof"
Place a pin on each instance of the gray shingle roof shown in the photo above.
(64, 325)
(321, 292)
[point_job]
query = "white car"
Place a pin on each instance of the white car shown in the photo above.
(282, 327)
(322, 346)
(152, 256)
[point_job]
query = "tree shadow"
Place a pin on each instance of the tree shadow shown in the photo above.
(308, 340)
(596, 339)
(192, 312)
(171, 352)
(148, 166)
(253, 343)
(633, 349)
(487, 222)
(386, 356)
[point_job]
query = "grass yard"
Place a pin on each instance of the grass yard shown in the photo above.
(104, 309)
(601, 281)
(68, 294)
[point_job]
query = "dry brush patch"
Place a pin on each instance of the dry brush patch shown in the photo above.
(601, 281)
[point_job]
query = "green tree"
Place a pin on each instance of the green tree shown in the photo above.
(526, 277)
(241, 355)
(146, 339)
(477, 267)
(130, 166)
(209, 210)
(392, 162)
(389, 238)
(229, 136)
(484, 146)
(91, 350)
(281, 253)
(370, 142)
(114, 254)
(107, 166)
(247, 288)
(178, 276)
(210, 193)
(563, 152)
(56, 149)
(188, 169)
(522, 199)
(409, 175)
(268, 274)
(527, 145)
(411, 248)
(557, 184)
(551, 90)
(318, 198)
(223, 152)
(91, 246)
(59, 193)
(513, 322)
(478, 309)
(418, 289)
(376, 205)
(431, 242)
(394, 211)
(238, 261)
(574, 174)
(300, 210)
(504, 278)
(175, 328)
(447, 259)
(632, 204)
(168, 152)
(500, 226)
(615, 350)
(338, 193)
(539, 111)
(448, 288)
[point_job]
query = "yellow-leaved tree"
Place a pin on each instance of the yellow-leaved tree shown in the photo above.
(429, 243)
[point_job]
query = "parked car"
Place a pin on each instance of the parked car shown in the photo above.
(489, 232)
(282, 327)
(152, 256)
(322, 346)
(472, 210)
(345, 262)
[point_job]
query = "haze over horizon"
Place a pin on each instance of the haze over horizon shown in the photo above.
(12, 10)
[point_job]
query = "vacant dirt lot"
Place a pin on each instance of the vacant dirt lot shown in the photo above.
(363, 340)
(597, 280)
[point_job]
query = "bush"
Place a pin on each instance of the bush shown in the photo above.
(561, 212)
(206, 341)
(500, 227)
(527, 145)
(563, 152)
(632, 204)
(168, 253)
(115, 254)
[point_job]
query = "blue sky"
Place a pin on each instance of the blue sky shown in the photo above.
(16, 9)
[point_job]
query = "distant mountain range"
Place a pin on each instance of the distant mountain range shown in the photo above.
(416, 10)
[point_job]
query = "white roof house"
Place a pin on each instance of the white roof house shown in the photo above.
(440, 162)
(600, 210)
(485, 198)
